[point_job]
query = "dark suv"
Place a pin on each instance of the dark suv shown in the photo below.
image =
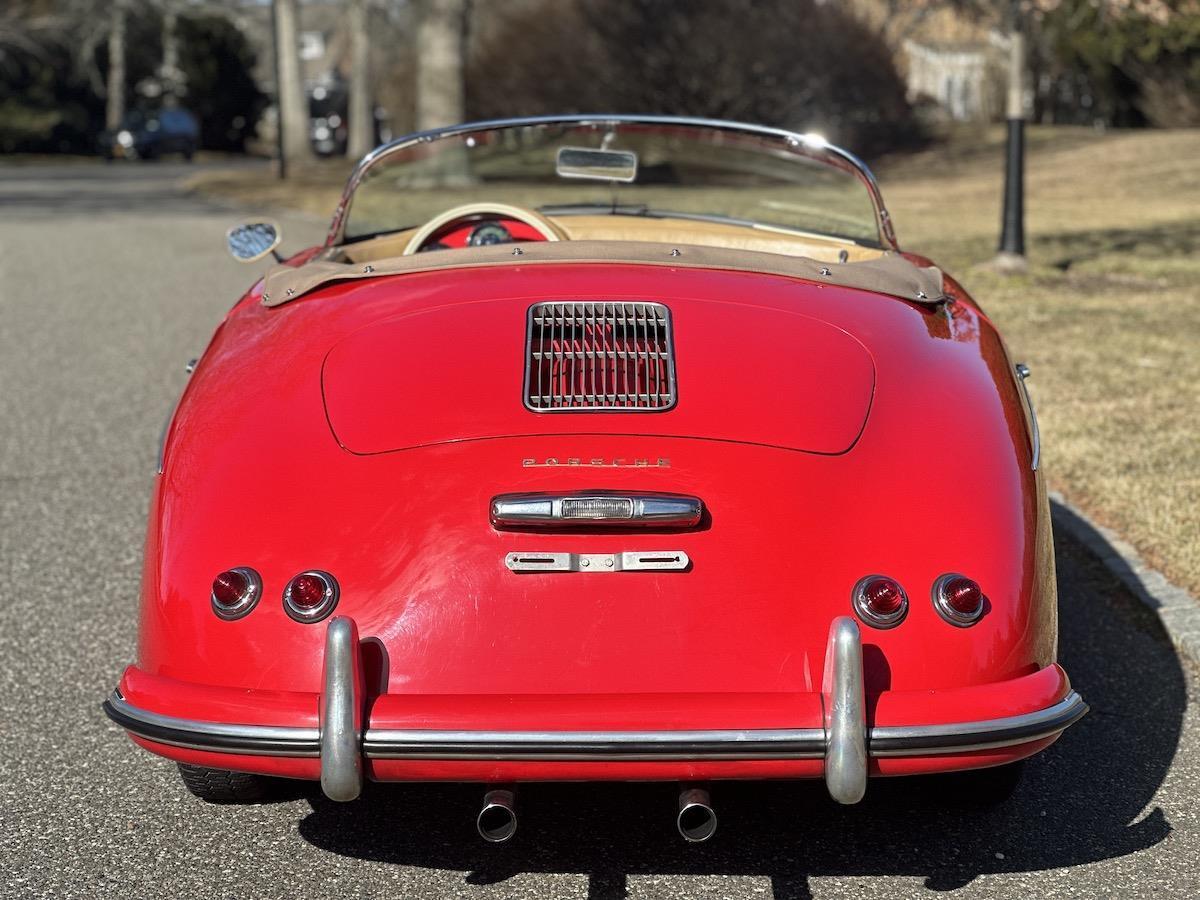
(147, 135)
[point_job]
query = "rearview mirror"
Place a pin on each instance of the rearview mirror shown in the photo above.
(253, 240)
(599, 165)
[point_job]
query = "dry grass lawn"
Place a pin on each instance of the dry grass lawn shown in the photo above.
(1108, 316)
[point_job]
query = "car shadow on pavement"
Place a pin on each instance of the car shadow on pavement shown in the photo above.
(1088, 798)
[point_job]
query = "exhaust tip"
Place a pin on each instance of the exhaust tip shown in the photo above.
(697, 822)
(497, 820)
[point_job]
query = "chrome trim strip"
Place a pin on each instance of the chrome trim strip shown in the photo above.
(599, 746)
(845, 714)
(800, 743)
(1035, 435)
(962, 737)
(802, 145)
(636, 509)
(598, 563)
(254, 740)
(341, 712)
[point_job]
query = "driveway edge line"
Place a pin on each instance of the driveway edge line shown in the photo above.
(1177, 609)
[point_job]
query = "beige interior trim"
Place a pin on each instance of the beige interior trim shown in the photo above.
(711, 234)
(664, 230)
(534, 220)
(890, 273)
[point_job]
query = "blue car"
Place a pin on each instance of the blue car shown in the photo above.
(149, 135)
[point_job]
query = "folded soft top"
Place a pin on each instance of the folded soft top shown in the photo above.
(890, 274)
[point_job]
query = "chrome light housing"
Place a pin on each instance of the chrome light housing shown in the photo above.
(958, 599)
(235, 592)
(880, 601)
(311, 596)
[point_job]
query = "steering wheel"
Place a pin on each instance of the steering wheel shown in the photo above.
(535, 220)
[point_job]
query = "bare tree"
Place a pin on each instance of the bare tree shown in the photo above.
(169, 72)
(440, 38)
(115, 108)
(23, 29)
(362, 119)
(290, 97)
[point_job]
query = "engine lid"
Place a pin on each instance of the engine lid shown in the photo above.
(743, 373)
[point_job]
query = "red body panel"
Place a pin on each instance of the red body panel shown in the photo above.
(740, 362)
(831, 433)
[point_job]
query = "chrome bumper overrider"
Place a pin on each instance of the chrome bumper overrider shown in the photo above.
(846, 743)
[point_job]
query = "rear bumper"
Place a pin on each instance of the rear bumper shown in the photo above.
(333, 736)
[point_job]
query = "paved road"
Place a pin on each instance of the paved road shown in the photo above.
(110, 279)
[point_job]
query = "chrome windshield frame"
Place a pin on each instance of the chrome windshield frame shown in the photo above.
(809, 146)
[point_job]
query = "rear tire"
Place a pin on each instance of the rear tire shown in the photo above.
(221, 786)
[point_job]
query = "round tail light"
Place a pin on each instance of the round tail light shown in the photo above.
(880, 601)
(310, 596)
(235, 592)
(958, 599)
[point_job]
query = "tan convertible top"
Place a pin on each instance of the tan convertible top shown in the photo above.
(889, 274)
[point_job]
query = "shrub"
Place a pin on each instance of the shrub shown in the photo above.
(1126, 63)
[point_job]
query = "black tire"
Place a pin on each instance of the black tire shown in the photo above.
(220, 786)
(984, 788)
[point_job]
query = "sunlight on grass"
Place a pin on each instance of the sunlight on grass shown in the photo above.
(1108, 316)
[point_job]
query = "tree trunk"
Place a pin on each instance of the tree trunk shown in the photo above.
(170, 74)
(115, 108)
(362, 118)
(290, 96)
(440, 37)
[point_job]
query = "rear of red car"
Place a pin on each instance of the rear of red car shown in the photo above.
(435, 488)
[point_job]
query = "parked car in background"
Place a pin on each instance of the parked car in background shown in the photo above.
(328, 122)
(600, 449)
(152, 134)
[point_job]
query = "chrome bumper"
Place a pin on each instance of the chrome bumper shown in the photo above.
(845, 743)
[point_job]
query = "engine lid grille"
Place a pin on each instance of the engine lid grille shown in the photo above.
(584, 357)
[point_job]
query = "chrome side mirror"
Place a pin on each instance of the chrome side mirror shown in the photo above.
(252, 240)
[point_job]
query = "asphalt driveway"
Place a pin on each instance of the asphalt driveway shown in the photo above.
(111, 278)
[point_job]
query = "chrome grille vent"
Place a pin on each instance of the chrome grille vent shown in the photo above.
(599, 356)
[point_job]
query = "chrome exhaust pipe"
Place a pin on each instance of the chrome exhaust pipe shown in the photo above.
(497, 820)
(696, 820)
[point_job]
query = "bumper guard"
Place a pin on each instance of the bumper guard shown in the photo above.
(846, 743)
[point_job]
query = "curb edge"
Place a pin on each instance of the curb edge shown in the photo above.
(1177, 610)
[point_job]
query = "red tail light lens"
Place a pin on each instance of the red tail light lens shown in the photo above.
(308, 591)
(235, 592)
(880, 601)
(958, 599)
(310, 596)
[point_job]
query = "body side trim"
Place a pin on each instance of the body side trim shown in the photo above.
(802, 743)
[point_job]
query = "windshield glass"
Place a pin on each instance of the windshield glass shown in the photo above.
(672, 170)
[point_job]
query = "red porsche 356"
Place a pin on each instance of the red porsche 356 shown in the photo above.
(599, 448)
